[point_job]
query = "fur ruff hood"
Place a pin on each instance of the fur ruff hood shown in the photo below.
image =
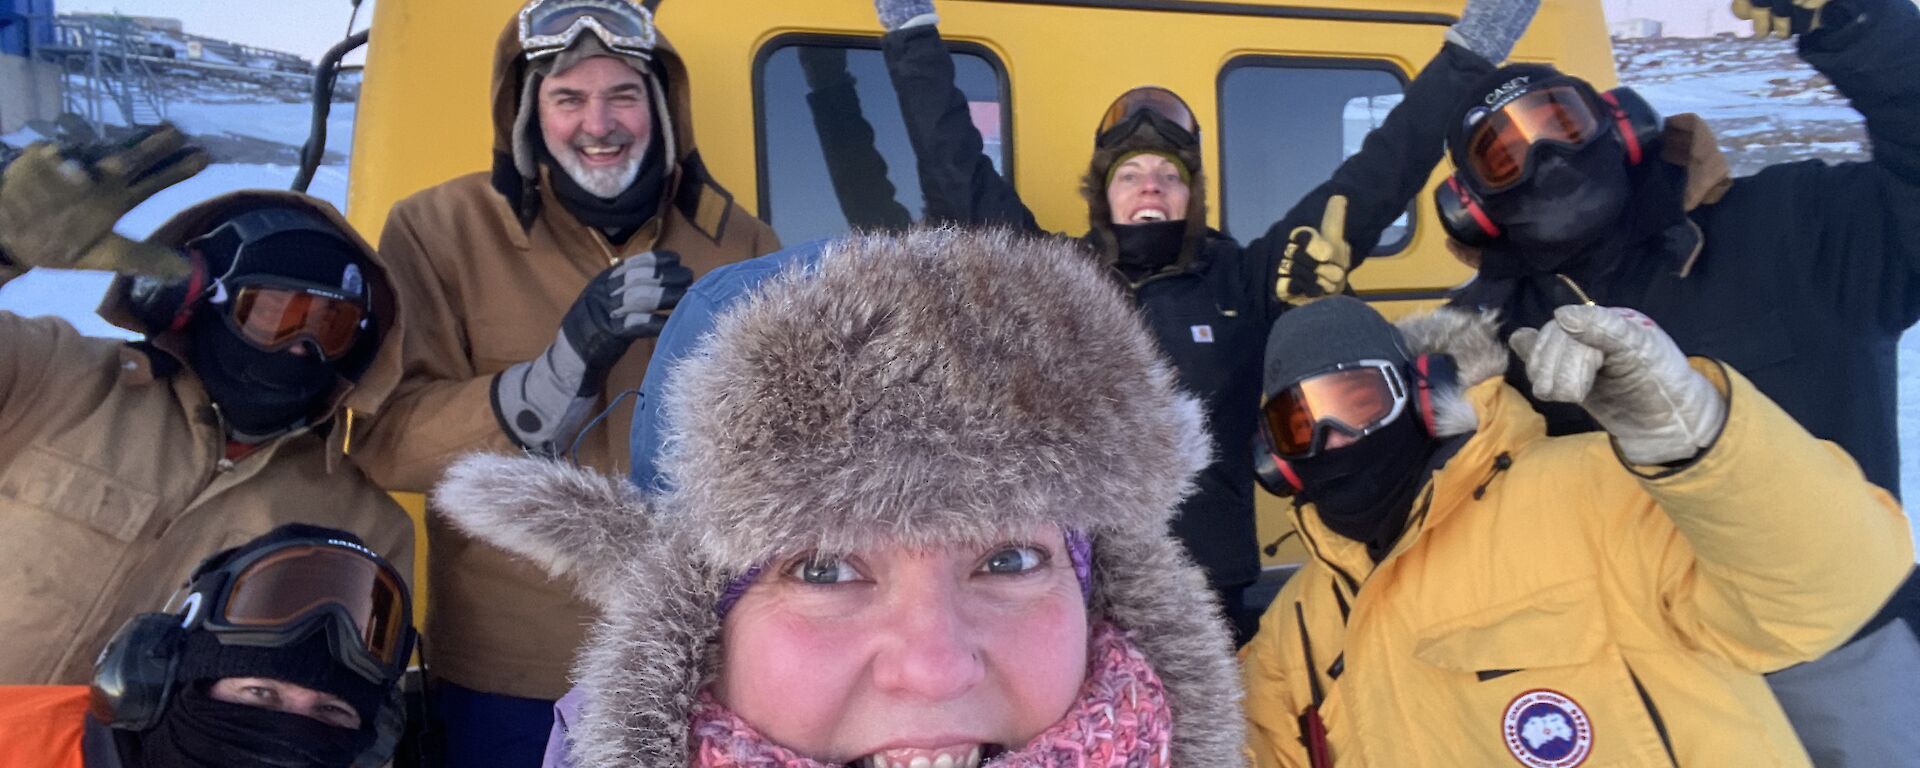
(1472, 339)
(938, 386)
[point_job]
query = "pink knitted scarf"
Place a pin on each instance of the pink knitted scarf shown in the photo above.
(1120, 719)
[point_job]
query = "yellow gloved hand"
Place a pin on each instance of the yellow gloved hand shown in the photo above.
(1780, 18)
(58, 206)
(1316, 262)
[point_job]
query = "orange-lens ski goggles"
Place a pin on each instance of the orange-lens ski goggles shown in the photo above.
(1356, 398)
(284, 587)
(274, 318)
(1499, 151)
(1154, 99)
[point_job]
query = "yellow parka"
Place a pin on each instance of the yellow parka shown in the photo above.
(1549, 606)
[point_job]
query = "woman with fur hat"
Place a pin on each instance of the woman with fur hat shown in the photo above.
(1208, 299)
(912, 511)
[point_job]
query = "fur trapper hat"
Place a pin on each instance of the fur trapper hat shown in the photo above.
(935, 387)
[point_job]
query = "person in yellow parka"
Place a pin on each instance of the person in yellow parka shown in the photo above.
(1481, 594)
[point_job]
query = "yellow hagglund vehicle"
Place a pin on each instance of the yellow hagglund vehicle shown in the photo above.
(1284, 90)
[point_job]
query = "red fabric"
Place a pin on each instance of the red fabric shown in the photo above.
(41, 726)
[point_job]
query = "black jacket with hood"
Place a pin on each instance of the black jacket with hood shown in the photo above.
(1210, 310)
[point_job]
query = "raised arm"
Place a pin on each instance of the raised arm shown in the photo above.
(854, 165)
(1740, 566)
(1863, 217)
(956, 177)
(1395, 160)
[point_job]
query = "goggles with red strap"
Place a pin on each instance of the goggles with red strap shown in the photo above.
(1500, 148)
(1355, 398)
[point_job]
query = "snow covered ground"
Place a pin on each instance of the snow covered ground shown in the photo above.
(1764, 103)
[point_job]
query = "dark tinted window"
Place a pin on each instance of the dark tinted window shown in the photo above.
(797, 192)
(1285, 126)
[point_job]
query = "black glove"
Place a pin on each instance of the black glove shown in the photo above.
(162, 305)
(542, 402)
(622, 305)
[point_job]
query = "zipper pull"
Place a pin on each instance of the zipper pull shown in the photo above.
(1501, 463)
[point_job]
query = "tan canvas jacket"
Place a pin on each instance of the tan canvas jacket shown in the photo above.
(486, 293)
(114, 482)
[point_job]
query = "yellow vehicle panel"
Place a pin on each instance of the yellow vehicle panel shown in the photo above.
(423, 113)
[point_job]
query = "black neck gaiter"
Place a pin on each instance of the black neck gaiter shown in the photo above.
(261, 394)
(619, 217)
(200, 732)
(1366, 490)
(1144, 249)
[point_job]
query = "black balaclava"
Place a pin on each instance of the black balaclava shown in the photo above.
(1148, 248)
(200, 732)
(1366, 490)
(197, 730)
(619, 217)
(262, 394)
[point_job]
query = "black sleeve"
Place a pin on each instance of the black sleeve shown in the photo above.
(855, 166)
(958, 181)
(1392, 166)
(1865, 215)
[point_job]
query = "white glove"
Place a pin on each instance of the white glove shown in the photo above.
(1629, 375)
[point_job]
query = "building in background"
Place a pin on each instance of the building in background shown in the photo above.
(29, 89)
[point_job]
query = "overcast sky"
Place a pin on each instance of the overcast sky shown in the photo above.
(304, 27)
(310, 27)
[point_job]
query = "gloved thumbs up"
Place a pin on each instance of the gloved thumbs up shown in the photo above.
(1629, 375)
(1316, 261)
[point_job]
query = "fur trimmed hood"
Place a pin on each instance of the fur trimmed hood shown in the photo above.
(934, 387)
(1472, 339)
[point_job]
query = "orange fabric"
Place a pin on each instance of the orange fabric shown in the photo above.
(41, 726)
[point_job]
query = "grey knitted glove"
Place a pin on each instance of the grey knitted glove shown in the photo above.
(900, 14)
(1629, 375)
(1490, 27)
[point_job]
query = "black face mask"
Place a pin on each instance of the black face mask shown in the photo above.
(1365, 491)
(200, 732)
(260, 393)
(1150, 246)
(1574, 198)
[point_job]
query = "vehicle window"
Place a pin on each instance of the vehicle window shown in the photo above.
(1286, 124)
(797, 193)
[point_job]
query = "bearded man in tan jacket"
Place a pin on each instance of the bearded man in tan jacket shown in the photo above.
(596, 216)
(122, 465)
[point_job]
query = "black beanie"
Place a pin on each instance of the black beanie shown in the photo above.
(1329, 332)
(1493, 91)
(307, 662)
(299, 246)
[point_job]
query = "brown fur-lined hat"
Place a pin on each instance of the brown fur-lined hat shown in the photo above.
(934, 387)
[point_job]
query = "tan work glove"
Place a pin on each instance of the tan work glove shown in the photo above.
(58, 205)
(1317, 260)
(1780, 18)
(1629, 375)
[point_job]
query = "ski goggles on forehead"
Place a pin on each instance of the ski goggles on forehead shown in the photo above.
(1157, 106)
(548, 27)
(274, 317)
(278, 596)
(1355, 398)
(1499, 151)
